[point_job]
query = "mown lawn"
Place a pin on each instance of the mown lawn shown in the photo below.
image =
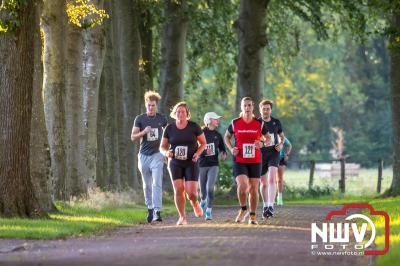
(76, 220)
(363, 184)
(392, 207)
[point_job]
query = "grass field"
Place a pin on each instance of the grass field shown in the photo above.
(75, 221)
(364, 183)
(392, 207)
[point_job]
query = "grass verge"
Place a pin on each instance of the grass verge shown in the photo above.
(76, 220)
(392, 207)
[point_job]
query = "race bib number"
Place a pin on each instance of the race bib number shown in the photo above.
(181, 152)
(272, 142)
(210, 149)
(152, 135)
(249, 151)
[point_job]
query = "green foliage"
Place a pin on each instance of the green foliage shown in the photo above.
(293, 193)
(334, 199)
(211, 56)
(342, 84)
(316, 83)
(9, 14)
(381, 15)
(225, 175)
(85, 15)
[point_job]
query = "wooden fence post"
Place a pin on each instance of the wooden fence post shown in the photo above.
(312, 168)
(380, 169)
(342, 182)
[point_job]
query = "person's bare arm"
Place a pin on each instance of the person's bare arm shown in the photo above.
(227, 139)
(288, 151)
(202, 140)
(137, 134)
(279, 146)
(164, 148)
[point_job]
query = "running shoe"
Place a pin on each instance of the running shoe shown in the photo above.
(157, 216)
(150, 215)
(181, 221)
(198, 211)
(203, 205)
(279, 200)
(208, 215)
(268, 212)
(253, 220)
(241, 217)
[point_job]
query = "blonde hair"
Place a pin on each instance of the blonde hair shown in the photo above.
(152, 96)
(176, 106)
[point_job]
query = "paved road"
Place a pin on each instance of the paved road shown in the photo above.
(282, 240)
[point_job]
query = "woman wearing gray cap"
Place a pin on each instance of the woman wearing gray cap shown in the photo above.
(208, 162)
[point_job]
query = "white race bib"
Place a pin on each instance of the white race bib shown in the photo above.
(210, 149)
(152, 135)
(272, 142)
(249, 151)
(181, 152)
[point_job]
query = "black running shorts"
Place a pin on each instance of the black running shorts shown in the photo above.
(270, 157)
(251, 170)
(188, 171)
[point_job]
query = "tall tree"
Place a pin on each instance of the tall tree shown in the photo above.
(130, 53)
(395, 99)
(39, 159)
(173, 43)
(251, 30)
(108, 166)
(117, 84)
(17, 198)
(146, 38)
(84, 38)
(53, 24)
(73, 109)
(92, 65)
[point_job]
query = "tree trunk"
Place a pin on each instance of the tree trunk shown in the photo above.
(93, 55)
(53, 22)
(146, 38)
(395, 98)
(39, 159)
(173, 43)
(129, 47)
(117, 87)
(251, 30)
(73, 110)
(101, 169)
(17, 198)
(108, 133)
